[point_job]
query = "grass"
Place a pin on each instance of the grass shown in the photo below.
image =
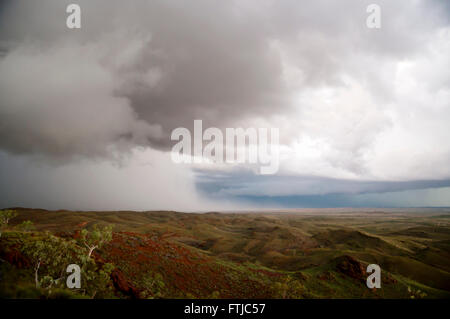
(258, 255)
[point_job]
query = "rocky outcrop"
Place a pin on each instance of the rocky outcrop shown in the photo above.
(14, 257)
(351, 267)
(122, 285)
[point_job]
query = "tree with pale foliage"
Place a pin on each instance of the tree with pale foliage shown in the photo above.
(26, 226)
(95, 238)
(5, 216)
(288, 288)
(50, 256)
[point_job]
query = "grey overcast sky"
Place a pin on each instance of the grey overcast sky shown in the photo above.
(86, 114)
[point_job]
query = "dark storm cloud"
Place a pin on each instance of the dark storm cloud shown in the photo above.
(302, 191)
(349, 101)
(162, 64)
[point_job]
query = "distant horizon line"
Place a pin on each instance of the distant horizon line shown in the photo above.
(239, 210)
